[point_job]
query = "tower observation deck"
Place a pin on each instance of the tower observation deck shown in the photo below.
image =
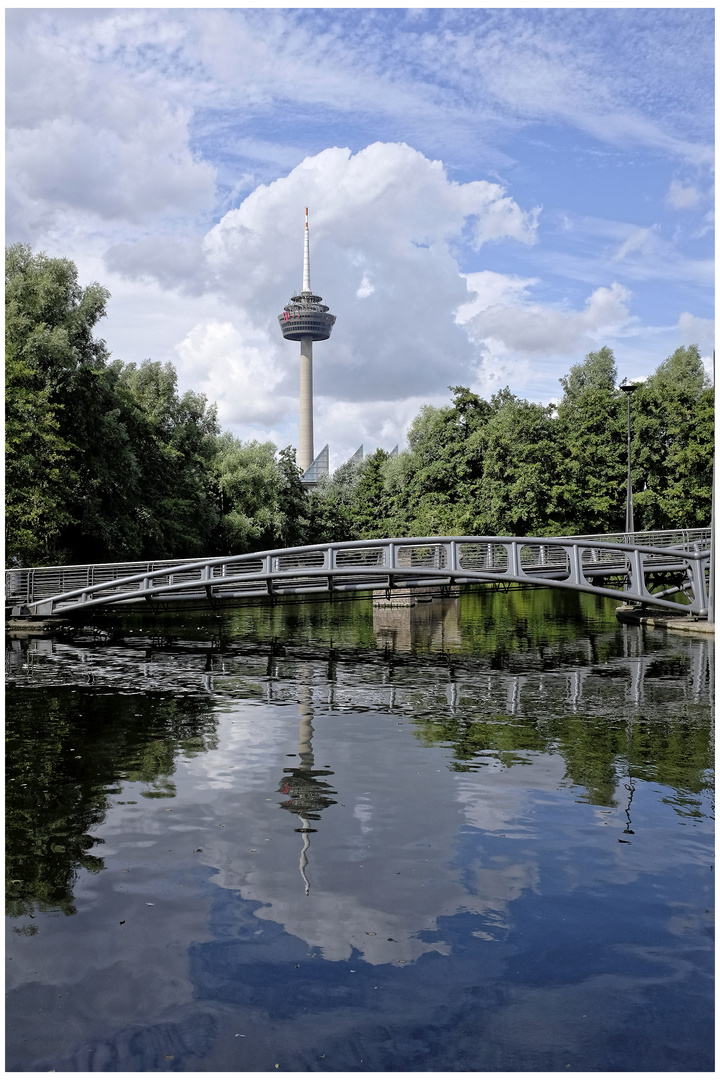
(306, 319)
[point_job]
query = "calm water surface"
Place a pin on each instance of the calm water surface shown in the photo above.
(475, 834)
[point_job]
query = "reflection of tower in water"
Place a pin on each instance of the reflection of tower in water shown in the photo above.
(308, 793)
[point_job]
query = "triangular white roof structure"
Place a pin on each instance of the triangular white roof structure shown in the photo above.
(320, 467)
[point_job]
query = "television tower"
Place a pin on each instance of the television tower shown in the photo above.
(306, 319)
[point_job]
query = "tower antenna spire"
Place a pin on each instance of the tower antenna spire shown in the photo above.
(306, 260)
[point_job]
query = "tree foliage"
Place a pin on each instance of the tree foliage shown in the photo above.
(108, 461)
(514, 467)
(673, 427)
(38, 475)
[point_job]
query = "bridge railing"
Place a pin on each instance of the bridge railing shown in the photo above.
(546, 557)
(25, 585)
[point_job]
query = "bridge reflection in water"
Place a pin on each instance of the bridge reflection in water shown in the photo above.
(430, 635)
(428, 624)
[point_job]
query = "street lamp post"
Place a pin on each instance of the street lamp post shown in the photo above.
(628, 388)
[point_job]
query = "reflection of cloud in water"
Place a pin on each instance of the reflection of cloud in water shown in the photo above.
(363, 812)
(240, 762)
(501, 806)
(374, 890)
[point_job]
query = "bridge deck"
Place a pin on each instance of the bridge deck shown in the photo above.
(614, 566)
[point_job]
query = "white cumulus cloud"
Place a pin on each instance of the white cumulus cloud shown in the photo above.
(529, 328)
(234, 371)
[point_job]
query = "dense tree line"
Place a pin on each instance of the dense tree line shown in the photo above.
(107, 461)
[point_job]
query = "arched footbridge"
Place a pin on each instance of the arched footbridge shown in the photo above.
(668, 570)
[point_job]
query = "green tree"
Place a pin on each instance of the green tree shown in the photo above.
(331, 504)
(371, 503)
(672, 450)
(173, 492)
(79, 465)
(50, 354)
(49, 318)
(519, 469)
(293, 506)
(38, 477)
(263, 501)
(105, 461)
(597, 371)
(590, 481)
(443, 478)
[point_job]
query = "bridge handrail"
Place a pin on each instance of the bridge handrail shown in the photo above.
(20, 580)
(588, 543)
(692, 535)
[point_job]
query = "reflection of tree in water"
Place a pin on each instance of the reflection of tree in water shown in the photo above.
(641, 712)
(68, 751)
(308, 794)
(604, 727)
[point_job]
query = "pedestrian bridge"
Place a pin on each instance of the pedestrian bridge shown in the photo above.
(661, 569)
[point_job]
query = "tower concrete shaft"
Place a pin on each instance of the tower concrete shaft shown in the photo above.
(306, 319)
(306, 454)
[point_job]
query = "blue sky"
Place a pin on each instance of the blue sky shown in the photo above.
(493, 193)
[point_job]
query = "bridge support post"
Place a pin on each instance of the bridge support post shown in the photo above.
(576, 571)
(636, 574)
(513, 558)
(699, 605)
(452, 556)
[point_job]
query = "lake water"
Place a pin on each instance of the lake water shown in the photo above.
(475, 834)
